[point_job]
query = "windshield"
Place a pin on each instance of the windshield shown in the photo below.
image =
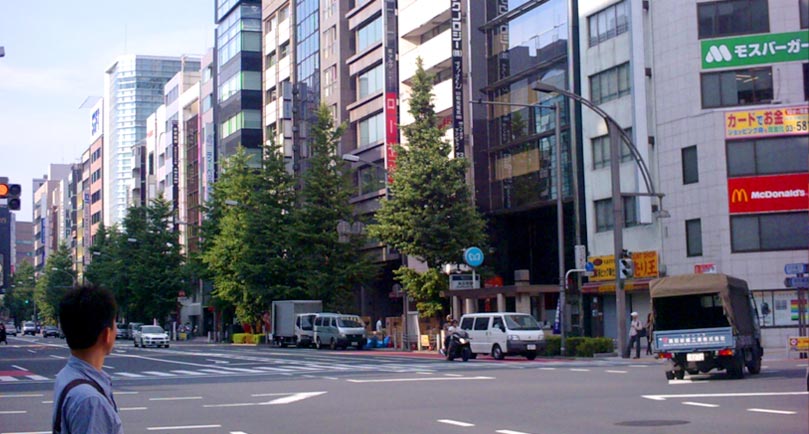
(151, 329)
(521, 322)
(349, 321)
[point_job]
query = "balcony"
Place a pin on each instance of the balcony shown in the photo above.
(422, 16)
(434, 52)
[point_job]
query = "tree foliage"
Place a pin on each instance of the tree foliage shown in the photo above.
(19, 297)
(330, 267)
(56, 279)
(430, 213)
(247, 246)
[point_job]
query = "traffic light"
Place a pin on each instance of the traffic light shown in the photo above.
(626, 268)
(11, 192)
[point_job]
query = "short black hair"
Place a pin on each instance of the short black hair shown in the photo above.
(84, 313)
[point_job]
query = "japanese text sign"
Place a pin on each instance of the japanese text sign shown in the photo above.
(779, 121)
(772, 193)
(755, 50)
(604, 266)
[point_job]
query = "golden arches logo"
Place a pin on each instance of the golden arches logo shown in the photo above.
(739, 195)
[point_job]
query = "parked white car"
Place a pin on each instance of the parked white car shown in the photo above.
(29, 328)
(149, 336)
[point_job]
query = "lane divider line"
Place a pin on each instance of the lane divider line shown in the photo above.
(176, 398)
(456, 423)
(172, 428)
(765, 410)
(700, 404)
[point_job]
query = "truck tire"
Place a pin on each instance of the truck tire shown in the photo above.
(736, 368)
(754, 365)
(679, 374)
(669, 375)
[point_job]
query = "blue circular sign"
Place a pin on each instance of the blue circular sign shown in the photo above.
(473, 256)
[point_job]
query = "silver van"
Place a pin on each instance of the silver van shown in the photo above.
(305, 329)
(339, 330)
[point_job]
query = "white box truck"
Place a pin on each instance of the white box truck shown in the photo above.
(284, 314)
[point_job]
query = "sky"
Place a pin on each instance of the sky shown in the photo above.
(56, 55)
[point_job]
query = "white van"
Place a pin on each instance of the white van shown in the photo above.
(504, 333)
(305, 329)
(338, 330)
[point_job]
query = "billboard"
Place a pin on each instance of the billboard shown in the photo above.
(391, 86)
(780, 121)
(97, 120)
(604, 266)
(755, 50)
(773, 193)
(456, 26)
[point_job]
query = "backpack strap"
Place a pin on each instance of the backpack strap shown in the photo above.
(57, 423)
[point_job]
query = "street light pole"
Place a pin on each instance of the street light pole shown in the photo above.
(560, 223)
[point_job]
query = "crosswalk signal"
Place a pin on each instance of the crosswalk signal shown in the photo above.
(11, 192)
(626, 268)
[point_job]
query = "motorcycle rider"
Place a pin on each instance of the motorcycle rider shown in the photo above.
(452, 328)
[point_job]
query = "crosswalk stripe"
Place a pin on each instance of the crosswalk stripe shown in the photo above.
(180, 371)
(37, 377)
(7, 378)
(129, 375)
(252, 371)
(159, 374)
(270, 368)
(216, 371)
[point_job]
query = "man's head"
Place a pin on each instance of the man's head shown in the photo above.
(634, 315)
(87, 313)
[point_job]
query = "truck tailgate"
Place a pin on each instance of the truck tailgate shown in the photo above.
(679, 341)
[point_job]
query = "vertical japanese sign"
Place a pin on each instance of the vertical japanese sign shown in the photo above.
(391, 86)
(755, 50)
(457, 77)
(175, 166)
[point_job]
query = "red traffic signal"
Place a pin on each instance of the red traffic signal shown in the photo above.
(11, 192)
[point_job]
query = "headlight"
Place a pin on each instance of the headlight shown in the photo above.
(513, 337)
(462, 341)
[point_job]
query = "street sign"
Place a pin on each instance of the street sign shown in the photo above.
(473, 256)
(589, 267)
(709, 268)
(797, 282)
(581, 255)
(796, 268)
(463, 281)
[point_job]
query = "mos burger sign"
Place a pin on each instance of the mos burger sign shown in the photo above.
(768, 193)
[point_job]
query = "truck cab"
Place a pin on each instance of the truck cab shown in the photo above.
(703, 322)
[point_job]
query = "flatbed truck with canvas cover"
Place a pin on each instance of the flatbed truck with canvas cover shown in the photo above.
(703, 322)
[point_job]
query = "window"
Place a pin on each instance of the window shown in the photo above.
(329, 8)
(737, 87)
(610, 84)
(369, 34)
(283, 13)
(482, 323)
(733, 17)
(329, 81)
(270, 59)
(608, 23)
(806, 81)
(329, 41)
(693, 237)
(690, 165)
(767, 232)
(767, 156)
(601, 150)
(283, 50)
(370, 82)
(372, 130)
(803, 5)
(435, 31)
(604, 220)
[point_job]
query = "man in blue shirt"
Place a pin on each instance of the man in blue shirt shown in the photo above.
(82, 394)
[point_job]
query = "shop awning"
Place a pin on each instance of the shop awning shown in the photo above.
(607, 287)
(508, 291)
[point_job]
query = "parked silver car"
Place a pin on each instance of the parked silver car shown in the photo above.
(148, 336)
(29, 328)
(11, 329)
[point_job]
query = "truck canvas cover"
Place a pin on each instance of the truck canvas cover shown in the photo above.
(732, 291)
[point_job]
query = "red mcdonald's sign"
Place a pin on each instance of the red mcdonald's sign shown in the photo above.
(772, 193)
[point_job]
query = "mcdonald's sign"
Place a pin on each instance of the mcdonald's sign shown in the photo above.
(773, 193)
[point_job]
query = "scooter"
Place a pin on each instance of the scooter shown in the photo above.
(459, 346)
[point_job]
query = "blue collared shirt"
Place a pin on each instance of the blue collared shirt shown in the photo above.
(84, 409)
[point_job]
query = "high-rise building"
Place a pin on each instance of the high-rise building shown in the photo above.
(23, 243)
(48, 206)
(238, 78)
(133, 89)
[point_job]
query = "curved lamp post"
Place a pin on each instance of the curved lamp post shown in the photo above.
(616, 136)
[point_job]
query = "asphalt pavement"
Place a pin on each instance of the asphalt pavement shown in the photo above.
(196, 387)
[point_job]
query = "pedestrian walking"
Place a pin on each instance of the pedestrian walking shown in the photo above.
(649, 329)
(3, 334)
(635, 328)
(83, 400)
(379, 324)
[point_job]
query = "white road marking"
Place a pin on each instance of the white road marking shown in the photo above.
(216, 371)
(259, 395)
(330, 378)
(612, 371)
(159, 374)
(547, 369)
(403, 380)
(109, 367)
(453, 375)
(721, 395)
(13, 412)
(172, 428)
(270, 368)
(176, 398)
(217, 361)
(31, 351)
(22, 395)
(289, 398)
(638, 366)
(252, 371)
(58, 357)
(126, 393)
(180, 371)
(700, 404)
(18, 367)
(456, 423)
(129, 375)
(37, 377)
(132, 408)
(238, 432)
(764, 410)
(508, 431)
(579, 370)
(28, 432)
(689, 381)
(7, 378)
(425, 373)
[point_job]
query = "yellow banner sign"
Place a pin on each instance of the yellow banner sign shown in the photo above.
(604, 266)
(777, 121)
(798, 343)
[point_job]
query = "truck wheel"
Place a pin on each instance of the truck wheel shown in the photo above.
(679, 374)
(669, 375)
(736, 368)
(465, 354)
(318, 344)
(332, 345)
(754, 366)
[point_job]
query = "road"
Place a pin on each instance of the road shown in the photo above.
(202, 389)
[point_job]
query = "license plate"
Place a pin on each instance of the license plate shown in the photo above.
(531, 347)
(695, 357)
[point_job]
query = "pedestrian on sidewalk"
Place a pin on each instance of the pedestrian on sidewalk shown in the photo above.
(3, 334)
(635, 328)
(649, 329)
(82, 394)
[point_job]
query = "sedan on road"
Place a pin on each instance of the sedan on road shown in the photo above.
(151, 336)
(11, 329)
(51, 331)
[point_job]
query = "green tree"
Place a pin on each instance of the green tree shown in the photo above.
(57, 277)
(152, 263)
(430, 213)
(247, 242)
(330, 268)
(19, 297)
(108, 267)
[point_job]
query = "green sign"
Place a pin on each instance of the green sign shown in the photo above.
(755, 50)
